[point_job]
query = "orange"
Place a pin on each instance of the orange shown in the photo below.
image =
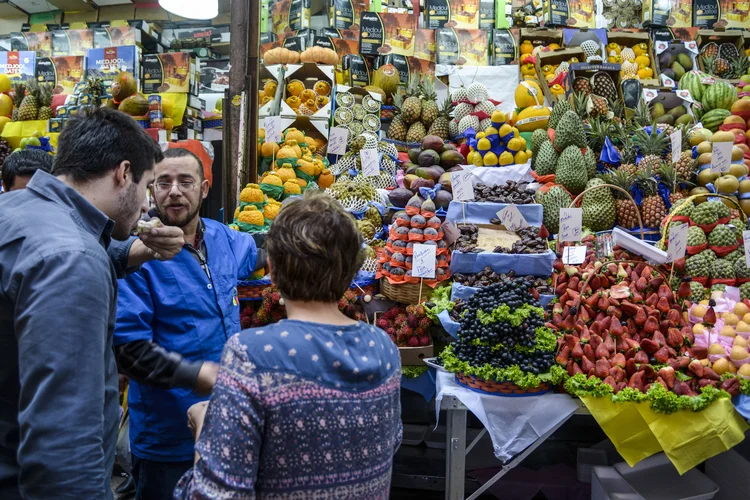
(527, 47)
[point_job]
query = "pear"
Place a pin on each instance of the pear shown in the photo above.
(740, 341)
(657, 110)
(727, 331)
(738, 353)
(716, 349)
(744, 370)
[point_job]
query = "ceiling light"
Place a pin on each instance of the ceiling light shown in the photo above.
(192, 9)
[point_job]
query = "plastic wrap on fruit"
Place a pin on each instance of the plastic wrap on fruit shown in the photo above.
(145, 227)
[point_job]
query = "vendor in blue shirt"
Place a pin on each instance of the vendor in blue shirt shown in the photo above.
(173, 319)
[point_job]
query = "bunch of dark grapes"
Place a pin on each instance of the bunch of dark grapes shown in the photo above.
(4, 152)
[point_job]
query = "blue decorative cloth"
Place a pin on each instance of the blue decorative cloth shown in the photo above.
(742, 405)
(423, 385)
(481, 213)
(523, 264)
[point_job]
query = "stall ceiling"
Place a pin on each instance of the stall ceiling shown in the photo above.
(21, 7)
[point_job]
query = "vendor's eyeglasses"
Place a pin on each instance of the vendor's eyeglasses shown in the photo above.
(163, 187)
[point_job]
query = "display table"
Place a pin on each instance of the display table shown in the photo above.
(516, 425)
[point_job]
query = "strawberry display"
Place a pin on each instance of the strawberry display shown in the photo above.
(407, 326)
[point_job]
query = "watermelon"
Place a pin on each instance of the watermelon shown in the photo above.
(713, 119)
(720, 95)
(692, 81)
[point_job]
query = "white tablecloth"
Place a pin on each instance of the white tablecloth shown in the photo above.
(513, 423)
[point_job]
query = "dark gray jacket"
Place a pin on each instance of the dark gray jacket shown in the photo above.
(59, 410)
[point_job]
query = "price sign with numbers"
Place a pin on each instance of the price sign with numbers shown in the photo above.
(337, 139)
(463, 188)
(370, 162)
(574, 255)
(272, 126)
(721, 157)
(676, 139)
(677, 242)
(512, 218)
(570, 224)
(746, 240)
(423, 262)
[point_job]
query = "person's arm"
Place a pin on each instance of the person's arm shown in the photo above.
(141, 359)
(61, 324)
(233, 427)
(249, 258)
(162, 243)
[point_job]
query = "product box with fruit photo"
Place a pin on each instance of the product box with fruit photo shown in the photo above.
(409, 67)
(62, 72)
(662, 33)
(486, 14)
(462, 47)
(463, 14)
(570, 13)
(40, 42)
(710, 14)
(289, 15)
(172, 72)
(674, 59)
(72, 42)
(359, 69)
(672, 14)
(382, 34)
(350, 34)
(106, 63)
(504, 47)
(344, 49)
(346, 13)
(18, 66)
(424, 44)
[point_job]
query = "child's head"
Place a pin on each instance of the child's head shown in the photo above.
(20, 167)
(314, 249)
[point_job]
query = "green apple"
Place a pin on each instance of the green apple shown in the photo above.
(36, 134)
(745, 78)
(24, 142)
(33, 141)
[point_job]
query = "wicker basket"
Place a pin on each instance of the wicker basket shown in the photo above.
(500, 388)
(406, 293)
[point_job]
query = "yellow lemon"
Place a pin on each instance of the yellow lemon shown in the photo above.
(521, 157)
(490, 159)
(506, 158)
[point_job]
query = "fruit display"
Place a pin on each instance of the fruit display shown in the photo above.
(406, 326)
(723, 60)
(267, 92)
(349, 166)
(517, 193)
(635, 61)
(487, 277)
(675, 62)
(307, 101)
(530, 240)
(418, 114)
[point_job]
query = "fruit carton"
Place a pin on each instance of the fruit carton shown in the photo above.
(409, 67)
(570, 13)
(666, 102)
(381, 34)
(63, 72)
(424, 44)
(537, 37)
(309, 74)
(18, 66)
(72, 42)
(575, 37)
(486, 14)
(462, 14)
(289, 15)
(554, 57)
(346, 13)
(296, 43)
(662, 33)
(673, 14)
(719, 36)
(504, 47)
(108, 62)
(274, 73)
(317, 129)
(589, 70)
(347, 34)
(710, 14)
(359, 69)
(462, 47)
(415, 356)
(173, 72)
(675, 52)
(41, 42)
(630, 39)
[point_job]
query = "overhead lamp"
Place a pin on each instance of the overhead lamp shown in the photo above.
(192, 9)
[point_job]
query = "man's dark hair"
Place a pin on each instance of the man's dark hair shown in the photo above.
(310, 262)
(24, 163)
(95, 142)
(185, 153)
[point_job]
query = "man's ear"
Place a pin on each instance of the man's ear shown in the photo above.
(123, 174)
(204, 189)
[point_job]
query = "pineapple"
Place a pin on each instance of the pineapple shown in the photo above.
(416, 132)
(430, 110)
(653, 209)
(412, 107)
(652, 146)
(398, 128)
(45, 101)
(580, 104)
(29, 108)
(642, 114)
(669, 176)
(739, 66)
(441, 126)
(685, 166)
(597, 132)
(19, 92)
(626, 210)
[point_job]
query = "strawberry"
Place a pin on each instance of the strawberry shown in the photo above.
(601, 352)
(710, 316)
(684, 291)
(609, 343)
(663, 305)
(587, 366)
(595, 341)
(662, 355)
(674, 337)
(704, 382)
(610, 382)
(601, 369)
(563, 356)
(620, 386)
(615, 328)
(674, 317)
(588, 352)
(630, 367)
(640, 317)
(696, 368)
(710, 374)
(656, 284)
(650, 326)
(649, 371)
(659, 339)
(641, 285)
(577, 351)
(637, 381)
(699, 352)
(641, 357)
(732, 386)
(617, 373)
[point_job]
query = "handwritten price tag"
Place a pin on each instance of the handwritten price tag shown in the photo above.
(463, 188)
(337, 139)
(370, 162)
(423, 263)
(451, 232)
(746, 240)
(676, 139)
(574, 255)
(272, 125)
(570, 224)
(512, 218)
(677, 242)
(721, 157)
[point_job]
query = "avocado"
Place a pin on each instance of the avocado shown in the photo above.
(414, 154)
(657, 110)
(665, 59)
(685, 61)
(678, 111)
(678, 70)
(668, 119)
(669, 73)
(685, 119)
(451, 158)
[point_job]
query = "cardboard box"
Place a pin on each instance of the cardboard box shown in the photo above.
(360, 69)
(18, 66)
(719, 37)
(173, 72)
(666, 55)
(289, 15)
(462, 47)
(309, 74)
(63, 72)
(486, 14)
(274, 73)
(570, 13)
(668, 99)
(670, 13)
(346, 13)
(317, 129)
(214, 77)
(72, 42)
(409, 67)
(424, 44)
(382, 34)
(575, 37)
(668, 34)
(463, 14)
(107, 62)
(630, 39)
(350, 34)
(710, 14)
(295, 43)
(504, 47)
(587, 71)
(554, 57)
(40, 42)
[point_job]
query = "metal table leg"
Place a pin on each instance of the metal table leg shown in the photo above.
(455, 450)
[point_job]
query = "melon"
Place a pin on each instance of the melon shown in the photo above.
(123, 85)
(714, 118)
(741, 108)
(135, 105)
(720, 95)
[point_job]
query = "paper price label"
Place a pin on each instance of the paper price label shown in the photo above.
(676, 139)
(666, 81)
(512, 218)
(451, 232)
(649, 95)
(677, 242)
(337, 139)
(463, 188)
(746, 240)
(370, 162)
(272, 125)
(692, 46)
(574, 255)
(721, 157)
(661, 47)
(423, 262)
(685, 95)
(570, 224)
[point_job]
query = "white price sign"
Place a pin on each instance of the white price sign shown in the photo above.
(574, 255)
(370, 162)
(746, 241)
(721, 157)
(692, 46)
(512, 218)
(676, 139)
(272, 126)
(337, 139)
(660, 47)
(451, 232)
(685, 95)
(649, 95)
(570, 224)
(677, 242)
(423, 262)
(666, 81)
(463, 187)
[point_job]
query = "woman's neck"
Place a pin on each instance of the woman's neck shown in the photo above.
(316, 312)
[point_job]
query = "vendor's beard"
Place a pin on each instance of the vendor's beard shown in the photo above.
(178, 222)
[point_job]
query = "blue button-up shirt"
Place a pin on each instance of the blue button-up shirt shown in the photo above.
(58, 293)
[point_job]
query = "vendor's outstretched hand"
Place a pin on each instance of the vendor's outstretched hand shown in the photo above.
(164, 242)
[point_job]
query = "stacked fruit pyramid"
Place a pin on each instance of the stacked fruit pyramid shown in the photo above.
(304, 101)
(418, 114)
(407, 326)
(357, 113)
(349, 166)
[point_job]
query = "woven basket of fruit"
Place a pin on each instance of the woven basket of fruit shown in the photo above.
(501, 388)
(406, 293)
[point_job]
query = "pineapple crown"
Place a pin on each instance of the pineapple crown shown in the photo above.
(618, 178)
(45, 93)
(19, 92)
(646, 181)
(653, 143)
(428, 89)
